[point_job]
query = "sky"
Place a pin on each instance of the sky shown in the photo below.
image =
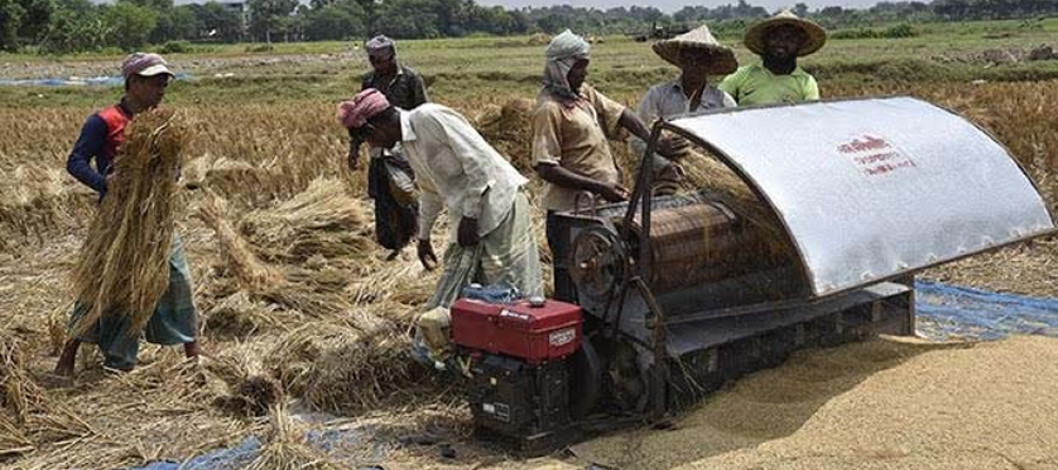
(670, 6)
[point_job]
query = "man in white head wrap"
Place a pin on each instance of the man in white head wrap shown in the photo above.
(571, 128)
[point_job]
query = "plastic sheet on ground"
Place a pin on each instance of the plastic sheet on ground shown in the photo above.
(953, 312)
(223, 459)
(74, 81)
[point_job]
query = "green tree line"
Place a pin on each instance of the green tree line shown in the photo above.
(63, 26)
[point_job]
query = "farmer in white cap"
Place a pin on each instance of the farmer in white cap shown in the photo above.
(389, 177)
(698, 55)
(571, 126)
(779, 40)
(175, 320)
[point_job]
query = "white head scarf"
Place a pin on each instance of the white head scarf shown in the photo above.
(563, 51)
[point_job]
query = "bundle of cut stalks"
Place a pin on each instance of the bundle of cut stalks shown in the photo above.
(286, 448)
(314, 293)
(38, 201)
(294, 356)
(28, 417)
(510, 130)
(233, 178)
(237, 254)
(252, 396)
(124, 264)
(358, 375)
(323, 220)
(238, 316)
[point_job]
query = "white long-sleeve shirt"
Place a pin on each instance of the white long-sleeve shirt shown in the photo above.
(456, 168)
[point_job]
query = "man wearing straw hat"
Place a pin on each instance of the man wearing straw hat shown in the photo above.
(698, 55)
(175, 320)
(779, 40)
(389, 178)
(571, 128)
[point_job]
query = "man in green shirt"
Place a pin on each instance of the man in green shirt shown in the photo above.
(779, 40)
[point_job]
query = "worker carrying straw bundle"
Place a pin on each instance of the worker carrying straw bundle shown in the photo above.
(133, 276)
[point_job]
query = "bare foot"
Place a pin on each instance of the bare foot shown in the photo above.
(65, 366)
(191, 349)
(63, 369)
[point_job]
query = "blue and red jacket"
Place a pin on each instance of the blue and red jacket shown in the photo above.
(101, 136)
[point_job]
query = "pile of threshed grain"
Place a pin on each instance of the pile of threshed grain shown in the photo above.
(124, 264)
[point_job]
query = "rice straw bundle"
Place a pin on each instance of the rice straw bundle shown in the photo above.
(314, 293)
(124, 264)
(250, 271)
(38, 200)
(510, 131)
(286, 448)
(253, 396)
(357, 375)
(323, 221)
(238, 316)
(295, 354)
(231, 178)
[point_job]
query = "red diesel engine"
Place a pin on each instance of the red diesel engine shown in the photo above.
(519, 358)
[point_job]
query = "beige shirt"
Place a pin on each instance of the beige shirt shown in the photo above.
(575, 138)
(455, 168)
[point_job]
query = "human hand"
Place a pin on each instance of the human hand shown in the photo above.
(468, 232)
(614, 192)
(426, 255)
(672, 146)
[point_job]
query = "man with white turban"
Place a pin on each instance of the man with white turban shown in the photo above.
(571, 127)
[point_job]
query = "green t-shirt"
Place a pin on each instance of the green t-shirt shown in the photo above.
(754, 84)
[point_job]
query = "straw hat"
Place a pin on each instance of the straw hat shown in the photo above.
(719, 58)
(815, 33)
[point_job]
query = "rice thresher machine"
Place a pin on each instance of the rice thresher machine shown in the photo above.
(668, 297)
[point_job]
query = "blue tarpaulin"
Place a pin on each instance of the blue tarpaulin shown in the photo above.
(73, 81)
(946, 311)
(943, 312)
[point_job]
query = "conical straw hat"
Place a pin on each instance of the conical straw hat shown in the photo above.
(721, 61)
(815, 34)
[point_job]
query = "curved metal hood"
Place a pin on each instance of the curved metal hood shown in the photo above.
(870, 189)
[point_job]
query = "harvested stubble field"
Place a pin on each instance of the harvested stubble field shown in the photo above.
(301, 314)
